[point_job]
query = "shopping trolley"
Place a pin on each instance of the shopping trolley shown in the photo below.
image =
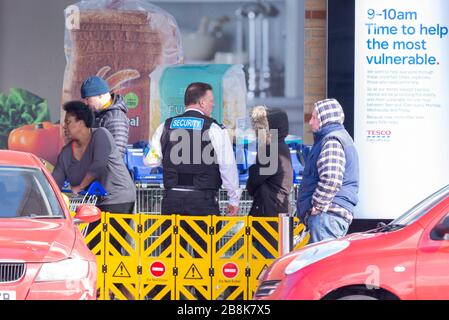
(149, 198)
(89, 196)
(149, 202)
(245, 204)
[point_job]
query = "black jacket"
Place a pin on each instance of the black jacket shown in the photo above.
(191, 175)
(271, 192)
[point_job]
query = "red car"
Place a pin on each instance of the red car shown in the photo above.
(406, 259)
(42, 253)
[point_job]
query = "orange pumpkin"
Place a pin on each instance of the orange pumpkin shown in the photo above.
(42, 139)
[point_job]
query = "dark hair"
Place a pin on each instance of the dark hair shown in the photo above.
(195, 91)
(81, 112)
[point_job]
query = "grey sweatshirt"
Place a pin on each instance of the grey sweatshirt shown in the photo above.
(115, 120)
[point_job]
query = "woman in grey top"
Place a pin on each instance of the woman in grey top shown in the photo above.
(92, 155)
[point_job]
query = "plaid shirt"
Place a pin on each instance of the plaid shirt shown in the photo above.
(331, 169)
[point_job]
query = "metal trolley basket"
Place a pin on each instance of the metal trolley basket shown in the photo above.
(149, 199)
(89, 196)
(245, 205)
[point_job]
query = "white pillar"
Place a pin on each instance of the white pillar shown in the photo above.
(294, 53)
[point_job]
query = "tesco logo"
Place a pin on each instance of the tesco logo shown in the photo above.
(379, 132)
(378, 135)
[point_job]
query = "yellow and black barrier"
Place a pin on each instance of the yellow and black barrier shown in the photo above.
(157, 257)
(229, 258)
(173, 257)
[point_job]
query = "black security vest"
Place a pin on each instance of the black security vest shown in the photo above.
(183, 152)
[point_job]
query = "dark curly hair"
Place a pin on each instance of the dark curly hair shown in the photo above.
(80, 111)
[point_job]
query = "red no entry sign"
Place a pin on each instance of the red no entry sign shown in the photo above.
(157, 269)
(230, 270)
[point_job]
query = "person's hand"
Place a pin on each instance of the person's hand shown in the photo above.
(232, 210)
(314, 211)
(76, 189)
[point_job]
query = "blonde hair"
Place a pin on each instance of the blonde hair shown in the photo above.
(259, 123)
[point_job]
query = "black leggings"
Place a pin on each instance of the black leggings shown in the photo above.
(117, 208)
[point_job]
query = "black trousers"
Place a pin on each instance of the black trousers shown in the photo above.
(120, 208)
(192, 203)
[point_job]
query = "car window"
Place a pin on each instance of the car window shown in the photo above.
(422, 208)
(25, 192)
(445, 221)
(439, 232)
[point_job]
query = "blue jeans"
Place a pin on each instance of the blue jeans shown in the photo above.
(326, 226)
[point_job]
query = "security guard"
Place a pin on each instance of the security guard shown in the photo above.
(197, 156)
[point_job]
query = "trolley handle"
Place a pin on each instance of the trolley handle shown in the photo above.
(95, 189)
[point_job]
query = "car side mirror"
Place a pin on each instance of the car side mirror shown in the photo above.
(87, 213)
(441, 230)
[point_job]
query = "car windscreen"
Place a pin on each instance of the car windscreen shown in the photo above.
(26, 193)
(422, 208)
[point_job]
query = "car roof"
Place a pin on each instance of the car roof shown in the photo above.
(16, 158)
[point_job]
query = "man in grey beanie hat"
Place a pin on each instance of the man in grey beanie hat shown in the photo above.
(109, 108)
